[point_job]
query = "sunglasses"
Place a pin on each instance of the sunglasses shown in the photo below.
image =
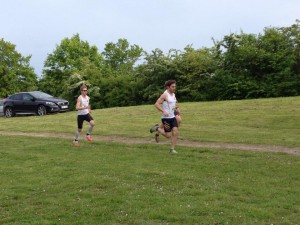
(84, 90)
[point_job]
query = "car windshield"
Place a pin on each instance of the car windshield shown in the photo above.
(40, 95)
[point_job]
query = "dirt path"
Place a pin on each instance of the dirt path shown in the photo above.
(187, 143)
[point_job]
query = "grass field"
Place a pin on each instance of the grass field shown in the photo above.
(48, 181)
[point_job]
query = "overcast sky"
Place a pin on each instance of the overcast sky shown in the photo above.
(37, 26)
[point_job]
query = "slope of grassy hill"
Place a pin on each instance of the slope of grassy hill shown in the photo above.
(274, 121)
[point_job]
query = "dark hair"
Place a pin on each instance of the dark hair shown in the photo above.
(168, 83)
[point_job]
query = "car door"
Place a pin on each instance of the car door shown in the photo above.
(17, 102)
(28, 103)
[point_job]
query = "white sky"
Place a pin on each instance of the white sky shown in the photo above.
(37, 26)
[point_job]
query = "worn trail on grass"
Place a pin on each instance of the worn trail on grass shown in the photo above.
(181, 142)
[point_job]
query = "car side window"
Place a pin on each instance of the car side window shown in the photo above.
(18, 97)
(27, 97)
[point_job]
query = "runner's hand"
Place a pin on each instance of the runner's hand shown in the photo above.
(165, 113)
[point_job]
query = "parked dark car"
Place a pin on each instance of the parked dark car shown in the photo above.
(34, 102)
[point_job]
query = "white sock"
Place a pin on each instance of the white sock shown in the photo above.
(77, 135)
(90, 130)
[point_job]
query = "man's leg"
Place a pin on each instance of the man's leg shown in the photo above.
(90, 129)
(77, 133)
(174, 137)
(164, 133)
(157, 133)
(165, 129)
(178, 118)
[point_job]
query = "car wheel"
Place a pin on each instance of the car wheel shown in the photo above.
(41, 110)
(9, 112)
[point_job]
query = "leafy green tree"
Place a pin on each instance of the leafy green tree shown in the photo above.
(293, 32)
(118, 91)
(156, 69)
(88, 75)
(239, 70)
(237, 67)
(117, 84)
(121, 56)
(16, 74)
(197, 67)
(254, 66)
(292, 85)
(66, 60)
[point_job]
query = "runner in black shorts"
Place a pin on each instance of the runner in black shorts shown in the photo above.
(169, 124)
(166, 104)
(82, 118)
(83, 108)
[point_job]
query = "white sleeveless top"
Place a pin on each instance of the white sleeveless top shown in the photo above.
(169, 105)
(84, 102)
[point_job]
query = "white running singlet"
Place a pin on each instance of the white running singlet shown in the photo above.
(169, 105)
(84, 102)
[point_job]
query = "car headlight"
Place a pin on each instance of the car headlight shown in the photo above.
(50, 103)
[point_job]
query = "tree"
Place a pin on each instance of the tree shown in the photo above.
(156, 69)
(118, 91)
(16, 74)
(66, 60)
(197, 67)
(121, 56)
(253, 66)
(88, 75)
(293, 34)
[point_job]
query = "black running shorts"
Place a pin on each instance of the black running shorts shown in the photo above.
(81, 118)
(169, 124)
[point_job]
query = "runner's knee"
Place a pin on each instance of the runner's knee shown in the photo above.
(92, 123)
(175, 131)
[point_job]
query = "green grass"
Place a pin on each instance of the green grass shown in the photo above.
(274, 121)
(48, 181)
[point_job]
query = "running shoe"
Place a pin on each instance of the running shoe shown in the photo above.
(173, 151)
(76, 143)
(154, 128)
(157, 137)
(88, 138)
